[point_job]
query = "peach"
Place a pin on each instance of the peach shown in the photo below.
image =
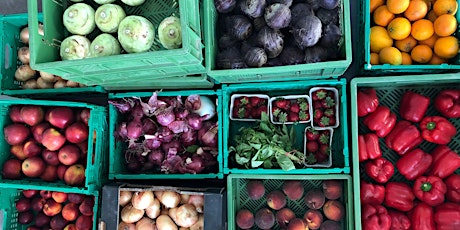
(293, 189)
(330, 225)
(297, 224)
(276, 200)
(264, 218)
(86, 207)
(255, 189)
(334, 210)
(59, 197)
(314, 199)
(52, 208)
(332, 189)
(314, 218)
(84, 222)
(70, 212)
(284, 216)
(244, 219)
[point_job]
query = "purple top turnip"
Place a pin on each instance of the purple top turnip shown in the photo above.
(277, 16)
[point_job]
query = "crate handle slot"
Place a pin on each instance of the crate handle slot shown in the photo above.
(8, 55)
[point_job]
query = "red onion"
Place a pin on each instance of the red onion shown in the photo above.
(149, 126)
(156, 157)
(195, 163)
(209, 159)
(201, 105)
(165, 116)
(134, 129)
(172, 144)
(153, 143)
(178, 126)
(195, 121)
(193, 102)
(208, 134)
(188, 137)
(173, 101)
(181, 113)
(123, 106)
(154, 102)
(164, 134)
(134, 165)
(137, 113)
(122, 132)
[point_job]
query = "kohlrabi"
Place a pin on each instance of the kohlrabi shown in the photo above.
(104, 45)
(133, 2)
(79, 19)
(75, 47)
(108, 17)
(104, 1)
(136, 34)
(169, 33)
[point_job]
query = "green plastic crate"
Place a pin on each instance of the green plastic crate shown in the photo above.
(365, 23)
(11, 195)
(281, 73)
(96, 164)
(237, 197)
(117, 169)
(11, 26)
(190, 82)
(389, 91)
(340, 161)
(153, 65)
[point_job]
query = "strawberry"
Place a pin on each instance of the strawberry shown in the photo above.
(257, 113)
(329, 113)
(324, 138)
(332, 121)
(311, 159)
(235, 112)
(255, 101)
(321, 157)
(282, 117)
(293, 117)
(312, 146)
(328, 102)
(312, 135)
(276, 111)
(303, 116)
(324, 149)
(324, 121)
(244, 100)
(319, 94)
(317, 114)
(295, 108)
(254, 114)
(282, 104)
(236, 103)
(317, 105)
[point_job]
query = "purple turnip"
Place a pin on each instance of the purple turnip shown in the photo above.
(316, 54)
(331, 37)
(271, 41)
(285, 2)
(224, 6)
(298, 10)
(230, 59)
(253, 8)
(328, 4)
(328, 16)
(226, 41)
(277, 16)
(307, 31)
(292, 55)
(255, 57)
(239, 27)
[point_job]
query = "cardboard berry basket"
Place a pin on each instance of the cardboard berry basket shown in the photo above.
(389, 91)
(95, 161)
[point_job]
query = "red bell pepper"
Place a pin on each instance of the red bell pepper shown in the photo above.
(414, 164)
(367, 101)
(430, 189)
(379, 169)
(413, 106)
(447, 102)
(447, 216)
(375, 217)
(453, 188)
(404, 137)
(437, 129)
(399, 195)
(382, 121)
(399, 220)
(369, 147)
(445, 162)
(423, 217)
(372, 193)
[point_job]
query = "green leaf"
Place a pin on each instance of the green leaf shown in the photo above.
(284, 162)
(241, 160)
(292, 135)
(255, 162)
(311, 159)
(256, 146)
(282, 117)
(264, 127)
(192, 148)
(268, 164)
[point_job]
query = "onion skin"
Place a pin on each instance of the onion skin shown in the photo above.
(146, 224)
(30, 84)
(48, 77)
(170, 199)
(197, 201)
(164, 222)
(124, 198)
(24, 55)
(42, 84)
(142, 200)
(24, 35)
(24, 73)
(186, 215)
(125, 226)
(153, 211)
(199, 225)
(172, 213)
(60, 84)
(184, 198)
(129, 214)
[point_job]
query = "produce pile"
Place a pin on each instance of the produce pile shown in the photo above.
(162, 210)
(323, 206)
(406, 32)
(409, 188)
(55, 210)
(270, 144)
(259, 33)
(48, 143)
(113, 30)
(31, 79)
(168, 134)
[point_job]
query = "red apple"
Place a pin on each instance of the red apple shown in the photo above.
(85, 115)
(59, 197)
(50, 173)
(77, 133)
(23, 204)
(42, 220)
(75, 198)
(16, 134)
(33, 166)
(84, 222)
(37, 131)
(69, 154)
(46, 194)
(30, 193)
(17, 151)
(86, 207)
(12, 169)
(53, 140)
(25, 217)
(61, 117)
(33, 227)
(32, 114)
(15, 114)
(70, 211)
(58, 222)
(75, 175)
(61, 171)
(31, 148)
(50, 157)
(37, 203)
(52, 208)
